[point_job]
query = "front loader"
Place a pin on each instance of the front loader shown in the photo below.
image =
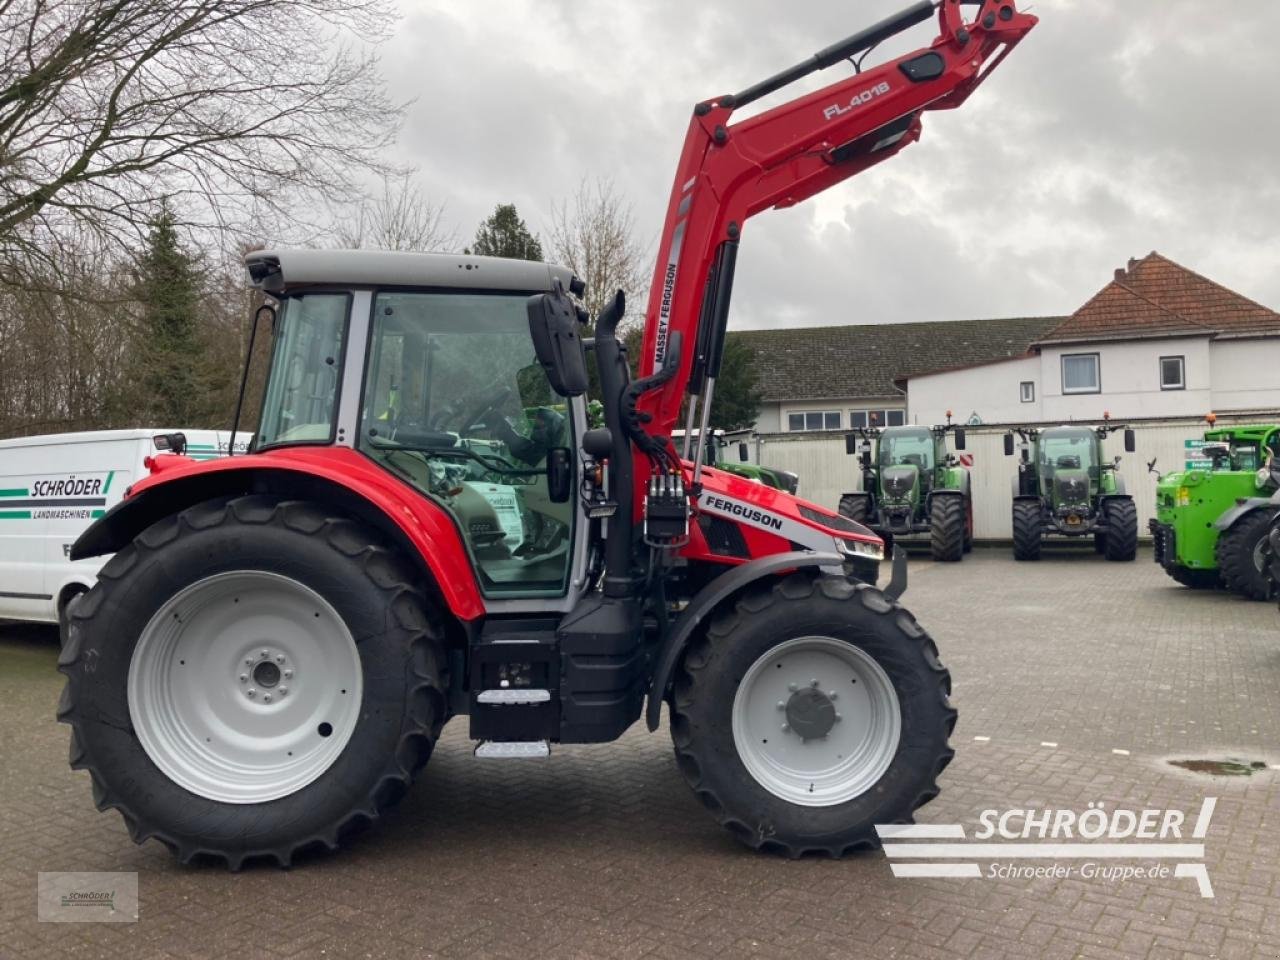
(1211, 523)
(912, 485)
(427, 529)
(1065, 487)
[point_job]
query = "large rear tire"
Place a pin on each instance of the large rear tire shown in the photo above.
(809, 712)
(252, 678)
(1122, 530)
(1241, 555)
(1195, 579)
(946, 528)
(1027, 529)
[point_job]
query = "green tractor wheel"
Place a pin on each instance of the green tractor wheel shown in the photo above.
(1241, 557)
(1121, 540)
(854, 506)
(947, 528)
(1027, 529)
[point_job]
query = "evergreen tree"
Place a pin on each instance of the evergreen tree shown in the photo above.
(736, 404)
(170, 350)
(504, 234)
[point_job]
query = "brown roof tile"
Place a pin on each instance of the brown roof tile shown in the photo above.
(1156, 297)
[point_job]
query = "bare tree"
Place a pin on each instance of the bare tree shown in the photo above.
(594, 235)
(402, 218)
(231, 109)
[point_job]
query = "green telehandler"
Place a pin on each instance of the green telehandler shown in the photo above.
(1211, 521)
(1065, 487)
(913, 485)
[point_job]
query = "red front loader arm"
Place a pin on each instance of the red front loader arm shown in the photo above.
(729, 172)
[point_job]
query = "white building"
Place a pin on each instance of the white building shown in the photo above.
(1158, 341)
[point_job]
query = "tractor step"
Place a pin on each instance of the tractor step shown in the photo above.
(512, 749)
(512, 695)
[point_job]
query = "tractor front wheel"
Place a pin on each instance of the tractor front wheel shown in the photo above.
(854, 506)
(1241, 555)
(1122, 530)
(252, 678)
(1028, 529)
(947, 528)
(809, 712)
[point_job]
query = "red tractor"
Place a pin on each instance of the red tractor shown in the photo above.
(426, 529)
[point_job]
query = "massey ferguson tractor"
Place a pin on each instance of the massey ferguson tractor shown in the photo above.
(913, 485)
(426, 529)
(1211, 525)
(1065, 487)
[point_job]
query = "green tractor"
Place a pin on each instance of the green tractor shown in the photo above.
(1211, 522)
(913, 485)
(714, 455)
(1065, 487)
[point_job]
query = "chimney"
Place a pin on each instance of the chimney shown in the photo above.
(1120, 274)
(1132, 263)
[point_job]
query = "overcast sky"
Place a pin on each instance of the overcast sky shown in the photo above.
(1118, 127)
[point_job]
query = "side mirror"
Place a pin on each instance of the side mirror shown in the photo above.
(959, 438)
(557, 341)
(559, 474)
(1008, 444)
(1130, 441)
(744, 453)
(850, 444)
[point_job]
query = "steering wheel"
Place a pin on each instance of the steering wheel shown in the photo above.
(490, 399)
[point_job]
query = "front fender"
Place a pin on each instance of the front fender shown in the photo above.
(335, 476)
(1228, 519)
(720, 589)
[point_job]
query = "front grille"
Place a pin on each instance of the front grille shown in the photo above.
(831, 520)
(723, 537)
(1073, 489)
(898, 483)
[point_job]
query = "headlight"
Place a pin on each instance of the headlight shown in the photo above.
(860, 548)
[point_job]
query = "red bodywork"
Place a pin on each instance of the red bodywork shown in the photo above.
(425, 524)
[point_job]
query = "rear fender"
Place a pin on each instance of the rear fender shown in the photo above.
(334, 476)
(1240, 510)
(720, 590)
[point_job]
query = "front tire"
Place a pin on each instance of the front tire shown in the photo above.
(854, 507)
(1122, 531)
(946, 528)
(1028, 529)
(1241, 556)
(187, 728)
(871, 754)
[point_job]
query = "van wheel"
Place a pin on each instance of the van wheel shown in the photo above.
(252, 679)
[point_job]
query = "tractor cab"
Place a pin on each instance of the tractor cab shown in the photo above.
(1070, 460)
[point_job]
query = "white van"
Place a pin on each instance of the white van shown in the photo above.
(51, 489)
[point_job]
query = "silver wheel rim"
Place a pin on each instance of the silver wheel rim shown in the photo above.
(837, 684)
(1260, 554)
(245, 687)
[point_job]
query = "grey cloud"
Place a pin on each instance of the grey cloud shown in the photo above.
(1116, 129)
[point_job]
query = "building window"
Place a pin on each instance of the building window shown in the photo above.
(1080, 373)
(1027, 391)
(861, 419)
(1172, 373)
(813, 420)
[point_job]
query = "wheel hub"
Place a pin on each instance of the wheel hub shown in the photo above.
(810, 713)
(288, 704)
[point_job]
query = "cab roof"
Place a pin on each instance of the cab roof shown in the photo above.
(284, 269)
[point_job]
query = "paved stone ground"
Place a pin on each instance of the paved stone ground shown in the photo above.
(603, 852)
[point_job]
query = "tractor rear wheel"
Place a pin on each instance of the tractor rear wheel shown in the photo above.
(252, 678)
(1122, 530)
(1027, 529)
(854, 506)
(946, 528)
(1241, 555)
(809, 712)
(1195, 579)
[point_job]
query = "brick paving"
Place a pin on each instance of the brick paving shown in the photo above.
(602, 851)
